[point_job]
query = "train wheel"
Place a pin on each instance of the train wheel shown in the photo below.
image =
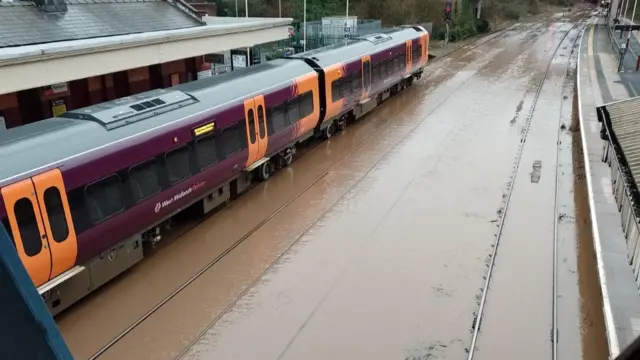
(342, 123)
(264, 171)
(328, 131)
(288, 157)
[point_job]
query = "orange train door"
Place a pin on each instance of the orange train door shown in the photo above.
(40, 221)
(366, 76)
(256, 121)
(408, 57)
(263, 139)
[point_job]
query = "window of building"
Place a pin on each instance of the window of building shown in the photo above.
(206, 151)
(229, 142)
(177, 163)
(28, 226)
(55, 212)
(104, 199)
(143, 180)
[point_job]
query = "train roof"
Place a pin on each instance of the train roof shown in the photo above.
(356, 48)
(43, 143)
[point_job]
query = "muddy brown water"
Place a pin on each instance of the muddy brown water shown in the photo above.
(384, 256)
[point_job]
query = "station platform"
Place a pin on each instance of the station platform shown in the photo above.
(599, 83)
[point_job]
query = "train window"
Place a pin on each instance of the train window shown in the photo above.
(252, 126)
(355, 84)
(229, 142)
(389, 66)
(28, 226)
(177, 163)
(415, 53)
(78, 207)
(143, 180)
(5, 223)
(278, 118)
(206, 151)
(336, 91)
(345, 86)
(293, 109)
(397, 63)
(104, 198)
(261, 123)
(379, 70)
(57, 216)
(306, 104)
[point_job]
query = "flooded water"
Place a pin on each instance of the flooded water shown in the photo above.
(381, 236)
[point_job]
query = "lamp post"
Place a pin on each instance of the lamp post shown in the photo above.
(304, 25)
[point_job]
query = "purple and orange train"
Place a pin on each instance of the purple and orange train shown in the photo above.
(81, 192)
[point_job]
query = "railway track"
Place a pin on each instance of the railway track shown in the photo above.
(577, 30)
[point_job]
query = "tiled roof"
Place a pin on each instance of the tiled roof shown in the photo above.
(22, 23)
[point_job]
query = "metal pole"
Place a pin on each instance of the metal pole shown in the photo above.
(625, 11)
(346, 23)
(633, 13)
(279, 8)
(246, 15)
(304, 30)
(236, 8)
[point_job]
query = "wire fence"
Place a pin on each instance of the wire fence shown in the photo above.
(319, 34)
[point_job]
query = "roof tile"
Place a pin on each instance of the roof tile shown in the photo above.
(25, 25)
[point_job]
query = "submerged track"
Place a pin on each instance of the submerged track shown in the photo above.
(576, 28)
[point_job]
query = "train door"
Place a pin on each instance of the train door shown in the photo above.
(408, 56)
(40, 220)
(252, 130)
(261, 117)
(255, 117)
(366, 76)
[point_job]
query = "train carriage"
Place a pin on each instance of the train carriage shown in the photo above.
(81, 193)
(358, 75)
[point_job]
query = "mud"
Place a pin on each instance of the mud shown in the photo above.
(592, 328)
(382, 246)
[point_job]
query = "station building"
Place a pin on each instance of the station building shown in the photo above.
(58, 55)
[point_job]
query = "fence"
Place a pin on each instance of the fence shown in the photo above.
(320, 35)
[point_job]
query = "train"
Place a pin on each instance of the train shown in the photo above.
(81, 193)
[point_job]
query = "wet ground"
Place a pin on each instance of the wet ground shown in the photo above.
(381, 236)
